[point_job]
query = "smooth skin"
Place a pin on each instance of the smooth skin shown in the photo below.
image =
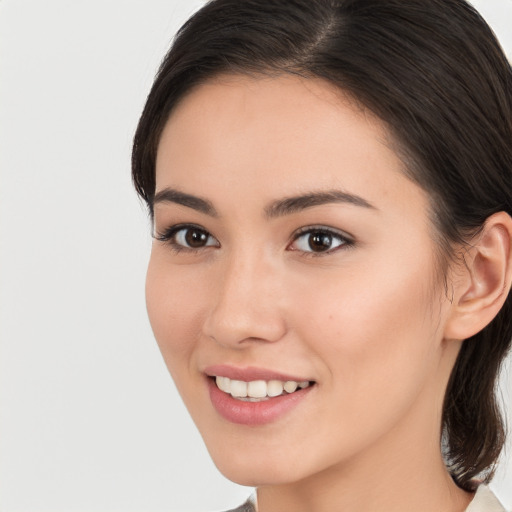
(364, 313)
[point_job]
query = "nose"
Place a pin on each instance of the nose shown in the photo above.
(246, 305)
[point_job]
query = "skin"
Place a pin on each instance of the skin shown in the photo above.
(366, 320)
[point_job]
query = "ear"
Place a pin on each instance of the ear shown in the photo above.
(483, 279)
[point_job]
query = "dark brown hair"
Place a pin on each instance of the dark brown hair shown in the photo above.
(433, 71)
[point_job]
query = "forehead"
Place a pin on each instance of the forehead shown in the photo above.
(275, 136)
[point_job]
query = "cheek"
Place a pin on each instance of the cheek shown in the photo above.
(371, 327)
(174, 302)
(374, 340)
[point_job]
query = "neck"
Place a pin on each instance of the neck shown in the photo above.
(391, 488)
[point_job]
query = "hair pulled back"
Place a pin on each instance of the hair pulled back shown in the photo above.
(434, 72)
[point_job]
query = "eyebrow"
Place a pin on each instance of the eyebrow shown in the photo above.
(298, 203)
(278, 208)
(170, 195)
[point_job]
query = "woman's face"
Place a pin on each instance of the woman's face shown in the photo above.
(291, 247)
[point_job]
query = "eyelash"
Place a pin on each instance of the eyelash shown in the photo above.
(345, 241)
(169, 234)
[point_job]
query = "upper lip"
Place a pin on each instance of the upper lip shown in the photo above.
(249, 373)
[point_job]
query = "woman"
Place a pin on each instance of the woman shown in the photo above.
(330, 184)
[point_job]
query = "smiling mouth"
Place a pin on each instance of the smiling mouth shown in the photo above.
(258, 390)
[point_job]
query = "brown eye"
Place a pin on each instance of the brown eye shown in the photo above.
(188, 237)
(195, 238)
(319, 241)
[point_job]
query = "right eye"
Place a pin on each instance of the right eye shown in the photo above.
(186, 237)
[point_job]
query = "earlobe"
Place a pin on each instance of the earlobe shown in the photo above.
(487, 269)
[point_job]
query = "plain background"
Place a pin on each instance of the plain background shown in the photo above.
(89, 418)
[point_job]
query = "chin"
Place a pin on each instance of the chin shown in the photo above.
(253, 470)
(251, 476)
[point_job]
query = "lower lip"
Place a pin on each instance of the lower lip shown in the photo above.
(254, 413)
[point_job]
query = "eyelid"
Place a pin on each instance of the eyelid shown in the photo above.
(168, 234)
(347, 239)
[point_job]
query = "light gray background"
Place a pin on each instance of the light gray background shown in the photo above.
(89, 418)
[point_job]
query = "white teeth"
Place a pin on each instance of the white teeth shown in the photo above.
(238, 388)
(290, 386)
(223, 383)
(275, 388)
(257, 390)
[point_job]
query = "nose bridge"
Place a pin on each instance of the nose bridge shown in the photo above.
(246, 302)
(245, 271)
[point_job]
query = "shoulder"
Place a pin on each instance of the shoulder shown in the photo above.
(248, 506)
(485, 501)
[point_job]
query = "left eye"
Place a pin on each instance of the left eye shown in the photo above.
(193, 238)
(187, 237)
(318, 241)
